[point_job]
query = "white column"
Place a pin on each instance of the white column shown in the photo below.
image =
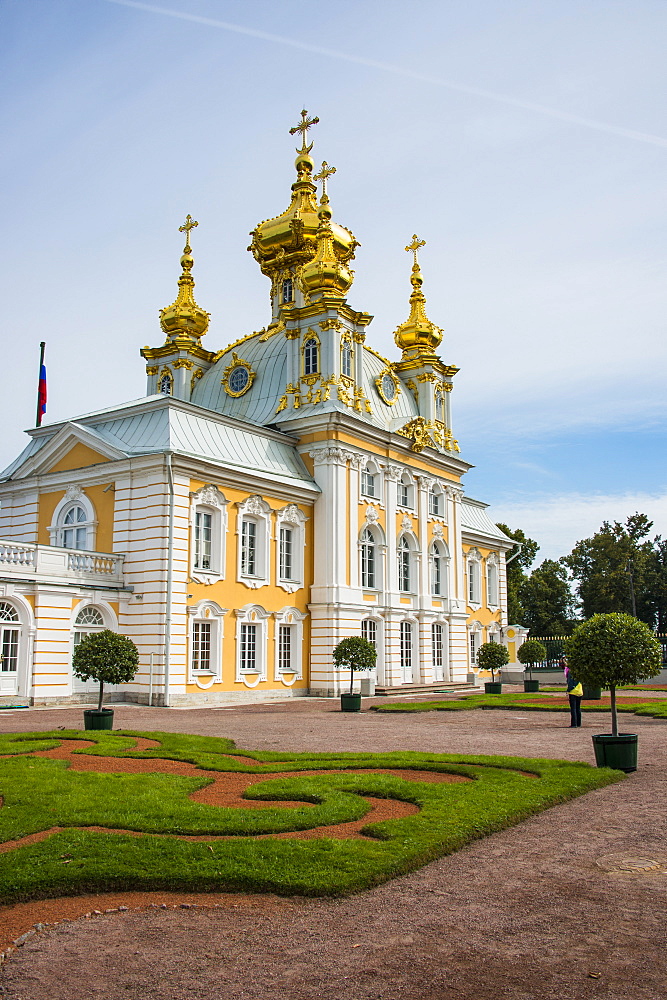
(353, 506)
(392, 474)
(330, 523)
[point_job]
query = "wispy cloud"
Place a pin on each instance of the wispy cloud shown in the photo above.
(559, 522)
(384, 67)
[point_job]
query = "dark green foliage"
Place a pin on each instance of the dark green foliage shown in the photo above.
(613, 649)
(105, 657)
(547, 601)
(531, 651)
(492, 656)
(40, 793)
(516, 575)
(620, 569)
(356, 653)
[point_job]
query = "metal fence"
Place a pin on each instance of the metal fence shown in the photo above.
(555, 645)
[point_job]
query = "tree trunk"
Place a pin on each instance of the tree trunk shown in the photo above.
(351, 679)
(614, 714)
(99, 706)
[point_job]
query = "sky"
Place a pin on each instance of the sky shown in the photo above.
(524, 141)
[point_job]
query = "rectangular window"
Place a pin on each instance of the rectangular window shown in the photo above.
(201, 645)
(203, 539)
(367, 483)
(404, 495)
(285, 664)
(473, 649)
(369, 631)
(248, 652)
(404, 571)
(249, 548)
(438, 649)
(406, 646)
(436, 575)
(473, 582)
(368, 564)
(434, 504)
(285, 553)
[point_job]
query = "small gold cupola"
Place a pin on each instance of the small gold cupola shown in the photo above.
(325, 273)
(418, 335)
(184, 318)
(282, 245)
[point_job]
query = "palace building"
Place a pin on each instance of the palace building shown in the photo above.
(260, 503)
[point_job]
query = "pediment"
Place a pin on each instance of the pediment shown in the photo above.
(71, 447)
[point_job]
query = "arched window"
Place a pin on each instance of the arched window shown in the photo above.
(475, 641)
(404, 567)
(438, 648)
(438, 567)
(346, 359)
(311, 360)
(436, 502)
(88, 620)
(368, 559)
(166, 384)
(208, 527)
(369, 631)
(405, 492)
(10, 633)
(440, 406)
(368, 482)
(73, 525)
(288, 290)
(474, 561)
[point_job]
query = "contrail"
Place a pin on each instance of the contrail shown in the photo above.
(462, 88)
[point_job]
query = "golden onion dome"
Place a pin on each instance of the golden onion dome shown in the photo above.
(325, 272)
(289, 240)
(184, 317)
(418, 334)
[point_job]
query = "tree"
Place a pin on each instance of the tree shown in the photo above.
(105, 657)
(356, 653)
(618, 570)
(515, 572)
(492, 656)
(547, 601)
(531, 651)
(608, 650)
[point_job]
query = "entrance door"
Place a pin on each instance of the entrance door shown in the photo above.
(406, 652)
(9, 668)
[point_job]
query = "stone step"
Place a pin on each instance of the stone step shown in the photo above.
(440, 688)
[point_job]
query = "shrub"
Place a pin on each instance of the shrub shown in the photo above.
(613, 649)
(105, 657)
(530, 652)
(492, 656)
(356, 653)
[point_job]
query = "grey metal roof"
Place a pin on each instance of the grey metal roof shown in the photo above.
(475, 519)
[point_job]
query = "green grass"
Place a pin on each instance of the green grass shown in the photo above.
(39, 794)
(526, 702)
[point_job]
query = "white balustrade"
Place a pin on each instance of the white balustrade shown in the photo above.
(21, 559)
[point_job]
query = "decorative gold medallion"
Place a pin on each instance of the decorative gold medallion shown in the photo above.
(237, 377)
(387, 386)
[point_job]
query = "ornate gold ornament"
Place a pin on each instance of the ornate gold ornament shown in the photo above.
(331, 324)
(183, 363)
(388, 386)
(418, 335)
(431, 434)
(195, 378)
(237, 377)
(152, 369)
(184, 317)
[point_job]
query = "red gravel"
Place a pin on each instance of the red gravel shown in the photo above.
(542, 910)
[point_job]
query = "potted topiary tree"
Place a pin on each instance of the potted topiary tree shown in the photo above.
(492, 656)
(110, 659)
(605, 651)
(356, 653)
(529, 652)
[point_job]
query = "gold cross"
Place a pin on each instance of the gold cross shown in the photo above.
(303, 127)
(324, 173)
(189, 224)
(414, 246)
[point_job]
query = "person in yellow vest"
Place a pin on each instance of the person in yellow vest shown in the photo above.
(574, 693)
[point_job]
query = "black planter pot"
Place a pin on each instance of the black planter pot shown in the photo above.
(619, 752)
(98, 718)
(531, 685)
(350, 702)
(591, 693)
(493, 687)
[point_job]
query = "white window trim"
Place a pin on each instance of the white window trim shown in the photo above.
(415, 664)
(493, 568)
(407, 480)
(294, 619)
(209, 500)
(379, 641)
(374, 469)
(207, 611)
(254, 509)
(474, 579)
(109, 620)
(292, 517)
(252, 614)
(74, 497)
(474, 631)
(380, 549)
(413, 565)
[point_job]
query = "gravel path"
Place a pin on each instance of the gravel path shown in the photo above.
(543, 910)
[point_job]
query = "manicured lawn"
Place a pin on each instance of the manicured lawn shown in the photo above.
(39, 794)
(539, 702)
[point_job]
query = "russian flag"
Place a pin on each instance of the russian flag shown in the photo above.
(41, 388)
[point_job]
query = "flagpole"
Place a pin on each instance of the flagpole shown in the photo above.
(38, 418)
